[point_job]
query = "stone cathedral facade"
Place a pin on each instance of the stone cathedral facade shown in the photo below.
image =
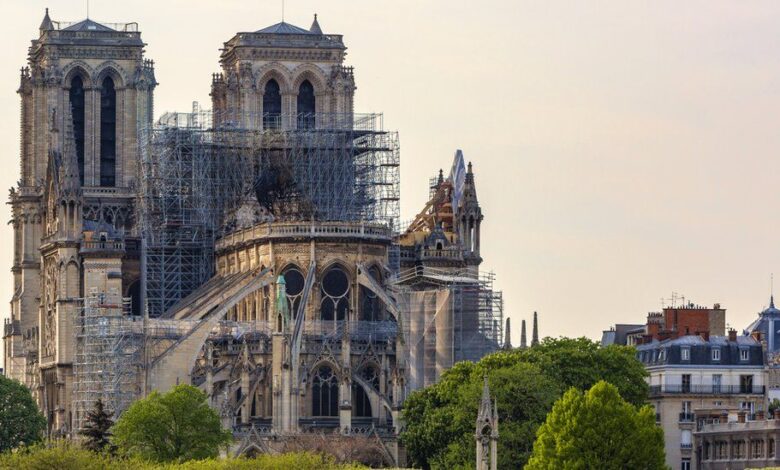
(311, 320)
(86, 92)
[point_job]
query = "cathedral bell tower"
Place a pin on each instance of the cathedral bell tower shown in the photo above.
(86, 96)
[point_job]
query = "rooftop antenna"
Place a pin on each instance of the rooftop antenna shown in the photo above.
(282, 11)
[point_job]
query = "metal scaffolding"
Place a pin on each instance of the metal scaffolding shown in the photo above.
(199, 183)
(109, 347)
(447, 316)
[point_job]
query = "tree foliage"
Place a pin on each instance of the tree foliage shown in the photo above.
(178, 425)
(21, 423)
(598, 429)
(63, 455)
(440, 419)
(581, 363)
(97, 427)
(773, 405)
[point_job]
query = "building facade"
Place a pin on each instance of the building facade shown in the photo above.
(738, 444)
(86, 92)
(253, 251)
(693, 381)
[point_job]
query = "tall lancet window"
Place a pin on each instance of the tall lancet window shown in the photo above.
(108, 133)
(77, 113)
(272, 105)
(306, 105)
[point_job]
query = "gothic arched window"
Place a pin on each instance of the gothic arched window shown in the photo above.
(324, 393)
(360, 401)
(294, 281)
(107, 133)
(370, 305)
(306, 107)
(77, 113)
(272, 105)
(335, 295)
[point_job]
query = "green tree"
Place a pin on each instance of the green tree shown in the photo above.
(581, 363)
(598, 429)
(178, 425)
(97, 427)
(440, 419)
(21, 423)
(773, 405)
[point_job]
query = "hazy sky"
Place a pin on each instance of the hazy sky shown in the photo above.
(622, 150)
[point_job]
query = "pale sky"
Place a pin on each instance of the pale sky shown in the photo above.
(622, 150)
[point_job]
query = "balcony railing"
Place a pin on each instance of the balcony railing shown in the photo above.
(656, 390)
(686, 446)
(686, 417)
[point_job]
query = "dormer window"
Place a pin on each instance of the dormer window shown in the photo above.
(716, 354)
(685, 353)
(744, 354)
(662, 355)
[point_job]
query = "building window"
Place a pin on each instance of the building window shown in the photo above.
(325, 393)
(361, 404)
(723, 450)
(770, 451)
(335, 295)
(685, 354)
(662, 355)
(371, 307)
(716, 354)
(686, 464)
(306, 101)
(744, 354)
(272, 105)
(686, 383)
(108, 133)
(77, 113)
(745, 384)
(756, 449)
(717, 379)
(686, 441)
(294, 282)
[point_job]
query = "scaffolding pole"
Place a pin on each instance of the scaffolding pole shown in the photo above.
(108, 355)
(198, 184)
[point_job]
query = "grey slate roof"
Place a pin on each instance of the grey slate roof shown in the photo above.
(700, 351)
(284, 28)
(762, 323)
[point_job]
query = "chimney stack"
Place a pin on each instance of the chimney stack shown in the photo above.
(732, 334)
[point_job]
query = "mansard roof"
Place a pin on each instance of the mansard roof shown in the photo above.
(88, 25)
(284, 28)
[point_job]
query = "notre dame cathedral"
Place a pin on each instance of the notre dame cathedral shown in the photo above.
(253, 250)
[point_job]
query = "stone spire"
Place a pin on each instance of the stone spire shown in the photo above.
(487, 431)
(535, 333)
(523, 343)
(315, 26)
(507, 336)
(46, 24)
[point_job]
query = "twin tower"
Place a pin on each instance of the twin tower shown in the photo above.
(87, 101)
